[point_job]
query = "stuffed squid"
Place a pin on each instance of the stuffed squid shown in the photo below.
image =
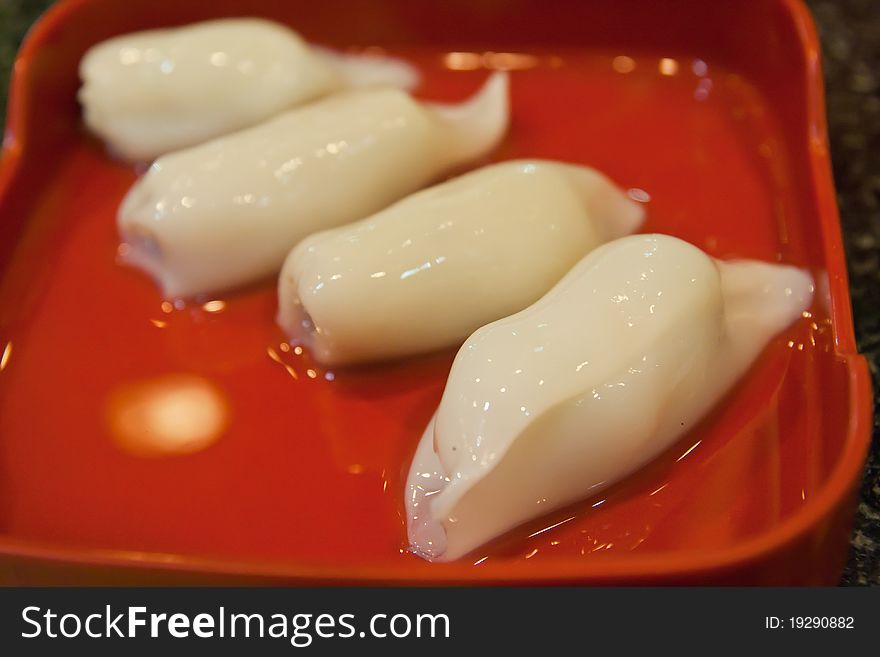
(227, 212)
(426, 272)
(554, 403)
(157, 91)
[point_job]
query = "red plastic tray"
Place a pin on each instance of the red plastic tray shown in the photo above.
(712, 111)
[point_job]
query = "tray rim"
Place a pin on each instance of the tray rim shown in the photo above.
(675, 566)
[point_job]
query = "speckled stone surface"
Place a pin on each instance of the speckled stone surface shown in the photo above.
(850, 32)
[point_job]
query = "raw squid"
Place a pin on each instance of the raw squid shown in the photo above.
(426, 272)
(550, 405)
(227, 212)
(152, 92)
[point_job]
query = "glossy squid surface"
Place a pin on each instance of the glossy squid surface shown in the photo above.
(227, 212)
(426, 272)
(551, 405)
(152, 92)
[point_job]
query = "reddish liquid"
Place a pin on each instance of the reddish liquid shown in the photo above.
(310, 470)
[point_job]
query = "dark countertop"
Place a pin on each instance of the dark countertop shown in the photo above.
(850, 32)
